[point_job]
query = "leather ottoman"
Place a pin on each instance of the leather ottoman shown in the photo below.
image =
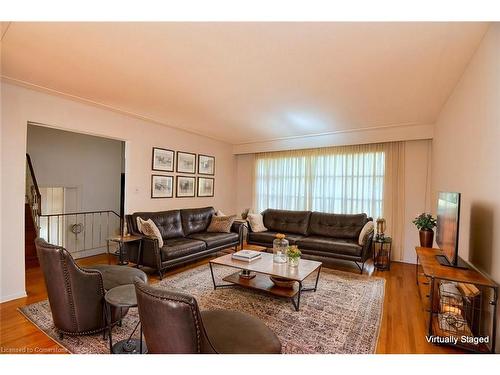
(233, 332)
(113, 276)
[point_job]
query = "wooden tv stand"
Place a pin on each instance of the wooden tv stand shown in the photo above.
(429, 273)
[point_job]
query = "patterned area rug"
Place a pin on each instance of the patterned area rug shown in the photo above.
(343, 316)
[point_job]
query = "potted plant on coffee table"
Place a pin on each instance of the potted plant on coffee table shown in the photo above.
(293, 253)
(425, 223)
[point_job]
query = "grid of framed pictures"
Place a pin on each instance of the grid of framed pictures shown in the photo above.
(186, 163)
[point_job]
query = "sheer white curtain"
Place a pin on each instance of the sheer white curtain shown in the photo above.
(347, 179)
(338, 179)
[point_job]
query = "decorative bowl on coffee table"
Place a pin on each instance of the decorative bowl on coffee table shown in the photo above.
(282, 282)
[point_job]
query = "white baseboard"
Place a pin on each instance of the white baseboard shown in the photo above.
(90, 252)
(11, 297)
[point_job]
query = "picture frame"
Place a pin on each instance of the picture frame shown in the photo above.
(162, 160)
(186, 162)
(162, 186)
(206, 186)
(185, 187)
(206, 165)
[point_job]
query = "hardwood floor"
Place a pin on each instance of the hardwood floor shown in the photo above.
(402, 330)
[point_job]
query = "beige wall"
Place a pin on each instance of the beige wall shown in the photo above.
(245, 172)
(465, 155)
(1, 169)
(417, 192)
(21, 105)
(417, 185)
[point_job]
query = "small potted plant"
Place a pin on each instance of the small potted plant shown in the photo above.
(293, 253)
(425, 223)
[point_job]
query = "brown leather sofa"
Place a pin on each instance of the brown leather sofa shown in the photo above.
(173, 324)
(185, 238)
(317, 234)
(76, 295)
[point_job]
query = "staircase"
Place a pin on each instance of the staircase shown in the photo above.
(30, 233)
(81, 233)
(32, 211)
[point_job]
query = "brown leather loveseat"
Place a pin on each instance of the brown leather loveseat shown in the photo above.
(185, 237)
(317, 234)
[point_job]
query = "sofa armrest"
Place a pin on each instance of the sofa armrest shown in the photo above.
(367, 251)
(151, 255)
(130, 226)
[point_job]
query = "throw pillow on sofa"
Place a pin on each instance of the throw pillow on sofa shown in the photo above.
(365, 232)
(221, 224)
(139, 224)
(149, 228)
(256, 222)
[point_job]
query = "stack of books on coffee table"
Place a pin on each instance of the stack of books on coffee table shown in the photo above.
(246, 255)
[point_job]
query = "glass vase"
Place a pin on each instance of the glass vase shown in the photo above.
(293, 262)
(280, 246)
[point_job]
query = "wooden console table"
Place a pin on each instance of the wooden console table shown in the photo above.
(429, 273)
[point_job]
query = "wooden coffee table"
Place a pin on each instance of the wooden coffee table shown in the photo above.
(256, 275)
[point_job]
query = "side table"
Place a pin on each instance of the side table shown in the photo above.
(121, 297)
(382, 247)
(125, 239)
(243, 228)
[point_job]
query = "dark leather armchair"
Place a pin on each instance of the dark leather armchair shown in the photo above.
(172, 323)
(76, 295)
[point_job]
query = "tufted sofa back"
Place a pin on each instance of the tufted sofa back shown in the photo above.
(196, 220)
(287, 221)
(337, 225)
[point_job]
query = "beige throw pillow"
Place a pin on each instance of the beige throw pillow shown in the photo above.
(256, 222)
(149, 228)
(139, 224)
(221, 224)
(365, 232)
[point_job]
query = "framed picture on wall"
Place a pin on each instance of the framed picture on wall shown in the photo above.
(163, 160)
(162, 186)
(206, 186)
(185, 187)
(186, 162)
(206, 164)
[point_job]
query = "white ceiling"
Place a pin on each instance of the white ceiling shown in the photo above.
(248, 82)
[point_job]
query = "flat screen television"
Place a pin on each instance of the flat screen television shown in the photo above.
(448, 224)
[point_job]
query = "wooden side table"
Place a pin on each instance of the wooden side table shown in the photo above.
(125, 239)
(382, 247)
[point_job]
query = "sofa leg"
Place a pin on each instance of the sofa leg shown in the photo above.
(361, 268)
(160, 274)
(61, 335)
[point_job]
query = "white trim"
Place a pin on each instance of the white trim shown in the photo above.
(391, 133)
(92, 252)
(76, 98)
(11, 297)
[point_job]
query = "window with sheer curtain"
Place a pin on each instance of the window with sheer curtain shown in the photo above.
(339, 179)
